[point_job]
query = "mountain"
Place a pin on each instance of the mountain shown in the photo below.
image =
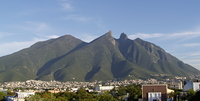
(25, 64)
(70, 59)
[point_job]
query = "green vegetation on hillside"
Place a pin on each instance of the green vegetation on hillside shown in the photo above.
(69, 59)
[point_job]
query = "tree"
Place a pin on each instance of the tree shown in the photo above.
(82, 94)
(176, 94)
(34, 98)
(106, 97)
(118, 92)
(190, 94)
(134, 92)
(2, 94)
(10, 93)
(61, 98)
(196, 97)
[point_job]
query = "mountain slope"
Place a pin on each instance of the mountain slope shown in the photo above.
(99, 60)
(105, 58)
(153, 58)
(25, 64)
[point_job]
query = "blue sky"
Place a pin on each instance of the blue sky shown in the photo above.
(172, 25)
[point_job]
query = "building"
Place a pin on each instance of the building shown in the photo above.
(176, 85)
(192, 85)
(155, 92)
(103, 88)
(19, 96)
(3, 90)
(74, 89)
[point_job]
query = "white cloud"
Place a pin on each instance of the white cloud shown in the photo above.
(11, 47)
(36, 26)
(191, 44)
(191, 58)
(52, 36)
(78, 18)
(67, 7)
(86, 37)
(146, 36)
(189, 55)
(182, 36)
(48, 36)
(7, 48)
(193, 62)
(3, 34)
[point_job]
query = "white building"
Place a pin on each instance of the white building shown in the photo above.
(74, 89)
(154, 95)
(192, 85)
(19, 96)
(103, 88)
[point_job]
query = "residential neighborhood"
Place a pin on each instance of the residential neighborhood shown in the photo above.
(152, 89)
(38, 84)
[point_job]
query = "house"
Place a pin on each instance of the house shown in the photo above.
(155, 92)
(192, 85)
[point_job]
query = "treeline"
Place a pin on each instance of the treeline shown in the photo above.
(130, 92)
(190, 95)
(80, 95)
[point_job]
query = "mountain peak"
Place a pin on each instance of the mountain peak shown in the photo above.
(107, 36)
(123, 36)
(138, 39)
(68, 35)
(109, 33)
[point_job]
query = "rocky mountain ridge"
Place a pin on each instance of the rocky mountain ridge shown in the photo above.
(70, 59)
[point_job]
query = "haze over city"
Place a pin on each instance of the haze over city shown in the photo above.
(172, 25)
